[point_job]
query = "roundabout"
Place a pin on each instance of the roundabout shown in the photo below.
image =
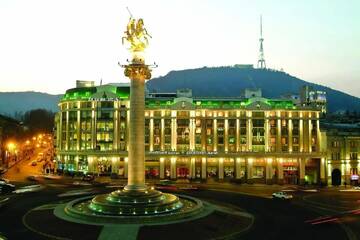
(211, 220)
(168, 209)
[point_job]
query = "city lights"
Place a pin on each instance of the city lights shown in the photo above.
(214, 143)
(11, 146)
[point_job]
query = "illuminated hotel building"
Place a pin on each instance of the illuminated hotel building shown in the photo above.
(249, 138)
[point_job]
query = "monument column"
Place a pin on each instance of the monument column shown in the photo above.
(138, 72)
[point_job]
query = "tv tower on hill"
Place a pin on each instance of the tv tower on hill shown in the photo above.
(261, 62)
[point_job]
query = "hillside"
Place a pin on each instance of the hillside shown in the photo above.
(12, 102)
(217, 82)
(230, 81)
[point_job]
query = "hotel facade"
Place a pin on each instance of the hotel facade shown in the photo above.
(250, 138)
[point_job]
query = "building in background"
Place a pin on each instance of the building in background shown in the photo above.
(311, 97)
(253, 139)
(343, 145)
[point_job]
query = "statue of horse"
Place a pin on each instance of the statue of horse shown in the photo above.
(136, 35)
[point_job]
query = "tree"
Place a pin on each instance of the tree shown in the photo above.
(39, 120)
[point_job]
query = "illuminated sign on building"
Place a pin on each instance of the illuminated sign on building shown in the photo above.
(354, 177)
(104, 99)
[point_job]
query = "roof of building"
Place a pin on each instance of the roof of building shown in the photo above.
(119, 91)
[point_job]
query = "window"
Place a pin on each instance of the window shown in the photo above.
(107, 104)
(354, 156)
(335, 156)
(258, 172)
(85, 114)
(335, 144)
(85, 105)
(231, 140)
(272, 123)
(232, 123)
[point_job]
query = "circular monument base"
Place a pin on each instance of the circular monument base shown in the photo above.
(132, 203)
(124, 206)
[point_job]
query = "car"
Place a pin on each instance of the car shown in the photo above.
(6, 187)
(34, 163)
(282, 195)
(35, 178)
(32, 178)
(88, 177)
(357, 188)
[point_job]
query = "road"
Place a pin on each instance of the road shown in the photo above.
(274, 219)
(20, 171)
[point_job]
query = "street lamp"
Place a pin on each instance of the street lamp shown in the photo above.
(11, 146)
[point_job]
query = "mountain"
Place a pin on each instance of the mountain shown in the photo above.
(230, 81)
(215, 81)
(16, 102)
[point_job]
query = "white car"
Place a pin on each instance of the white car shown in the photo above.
(282, 195)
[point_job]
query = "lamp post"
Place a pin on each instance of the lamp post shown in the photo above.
(11, 151)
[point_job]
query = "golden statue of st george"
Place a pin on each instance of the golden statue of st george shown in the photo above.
(136, 35)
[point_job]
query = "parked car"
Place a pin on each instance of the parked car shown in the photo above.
(34, 163)
(88, 177)
(6, 187)
(282, 195)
